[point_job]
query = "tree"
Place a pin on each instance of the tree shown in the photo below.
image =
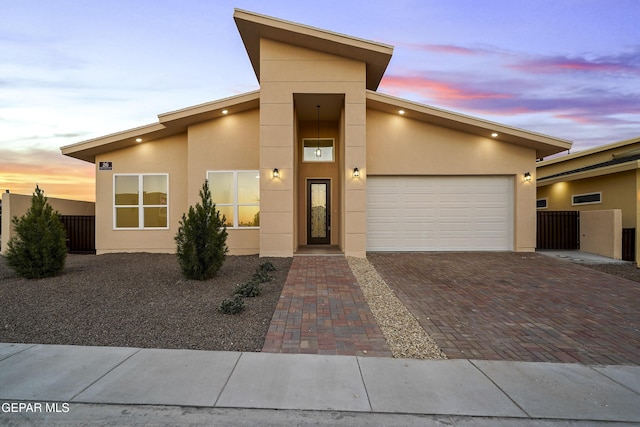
(39, 247)
(201, 239)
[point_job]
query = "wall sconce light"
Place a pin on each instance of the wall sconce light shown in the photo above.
(276, 173)
(356, 172)
(527, 176)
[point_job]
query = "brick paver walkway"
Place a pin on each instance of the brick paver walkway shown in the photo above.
(513, 306)
(323, 311)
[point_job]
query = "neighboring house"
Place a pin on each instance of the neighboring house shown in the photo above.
(600, 179)
(317, 156)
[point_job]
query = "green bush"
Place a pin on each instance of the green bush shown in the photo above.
(249, 289)
(261, 276)
(233, 305)
(39, 247)
(201, 239)
(267, 266)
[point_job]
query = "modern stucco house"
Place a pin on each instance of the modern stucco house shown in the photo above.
(600, 179)
(318, 156)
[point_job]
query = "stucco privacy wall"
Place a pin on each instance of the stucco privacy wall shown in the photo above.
(17, 205)
(601, 233)
(229, 143)
(618, 192)
(286, 70)
(162, 156)
(398, 145)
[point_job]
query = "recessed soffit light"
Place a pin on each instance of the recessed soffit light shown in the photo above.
(138, 139)
(494, 134)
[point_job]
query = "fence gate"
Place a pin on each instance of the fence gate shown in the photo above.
(558, 230)
(81, 233)
(629, 244)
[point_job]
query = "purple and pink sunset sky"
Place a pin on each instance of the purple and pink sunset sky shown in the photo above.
(75, 70)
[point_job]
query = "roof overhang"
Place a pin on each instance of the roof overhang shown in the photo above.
(617, 149)
(253, 27)
(543, 144)
(592, 173)
(169, 124)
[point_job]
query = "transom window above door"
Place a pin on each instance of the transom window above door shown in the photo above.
(317, 150)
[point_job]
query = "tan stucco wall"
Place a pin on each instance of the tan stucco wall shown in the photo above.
(227, 143)
(618, 192)
(284, 71)
(601, 232)
(168, 155)
(17, 205)
(397, 145)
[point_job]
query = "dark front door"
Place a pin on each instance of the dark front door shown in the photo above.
(318, 211)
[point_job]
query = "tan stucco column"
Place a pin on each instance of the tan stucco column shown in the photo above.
(276, 194)
(355, 188)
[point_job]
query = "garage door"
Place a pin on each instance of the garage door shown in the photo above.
(437, 213)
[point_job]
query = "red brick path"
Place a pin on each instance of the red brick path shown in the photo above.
(323, 311)
(510, 306)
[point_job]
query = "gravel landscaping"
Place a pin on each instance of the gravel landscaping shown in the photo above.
(404, 335)
(627, 270)
(137, 300)
(142, 300)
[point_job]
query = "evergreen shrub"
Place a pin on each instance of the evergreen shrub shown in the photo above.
(38, 249)
(201, 239)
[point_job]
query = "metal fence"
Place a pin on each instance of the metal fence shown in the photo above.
(558, 230)
(81, 233)
(629, 244)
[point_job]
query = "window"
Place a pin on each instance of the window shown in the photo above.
(140, 201)
(237, 196)
(311, 146)
(541, 204)
(586, 199)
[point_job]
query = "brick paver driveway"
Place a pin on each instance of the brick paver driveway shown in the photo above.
(515, 306)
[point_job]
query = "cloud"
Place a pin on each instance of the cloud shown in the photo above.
(627, 63)
(446, 49)
(58, 175)
(440, 90)
(506, 97)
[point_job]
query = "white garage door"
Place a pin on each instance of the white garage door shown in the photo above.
(439, 213)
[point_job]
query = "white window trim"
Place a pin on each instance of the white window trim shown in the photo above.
(546, 203)
(235, 204)
(333, 148)
(140, 204)
(599, 193)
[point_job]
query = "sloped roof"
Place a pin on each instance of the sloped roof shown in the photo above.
(543, 144)
(253, 27)
(171, 123)
(602, 160)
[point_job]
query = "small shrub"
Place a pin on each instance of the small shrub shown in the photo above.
(39, 248)
(249, 289)
(233, 305)
(267, 266)
(201, 239)
(261, 277)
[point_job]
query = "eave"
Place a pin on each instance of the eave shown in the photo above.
(171, 123)
(591, 173)
(253, 27)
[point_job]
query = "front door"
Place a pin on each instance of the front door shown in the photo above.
(318, 211)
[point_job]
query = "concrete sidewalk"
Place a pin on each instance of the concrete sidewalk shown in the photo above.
(110, 385)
